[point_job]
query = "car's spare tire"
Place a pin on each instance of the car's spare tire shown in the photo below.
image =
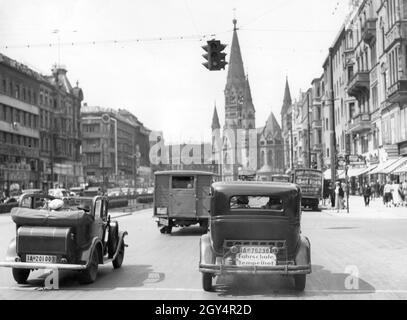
(113, 238)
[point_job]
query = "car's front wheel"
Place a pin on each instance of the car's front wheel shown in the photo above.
(21, 275)
(90, 274)
(117, 263)
(300, 281)
(207, 281)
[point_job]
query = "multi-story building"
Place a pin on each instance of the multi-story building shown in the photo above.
(39, 128)
(316, 124)
(19, 132)
(115, 147)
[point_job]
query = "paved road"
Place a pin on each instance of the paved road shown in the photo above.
(159, 266)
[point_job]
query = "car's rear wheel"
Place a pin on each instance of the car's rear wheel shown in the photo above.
(300, 281)
(21, 275)
(89, 275)
(207, 281)
(117, 263)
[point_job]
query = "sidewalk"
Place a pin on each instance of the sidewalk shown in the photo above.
(376, 210)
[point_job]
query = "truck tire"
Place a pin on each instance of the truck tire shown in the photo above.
(207, 282)
(299, 282)
(117, 263)
(21, 275)
(89, 275)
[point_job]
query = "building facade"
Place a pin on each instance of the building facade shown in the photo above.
(39, 128)
(359, 104)
(115, 147)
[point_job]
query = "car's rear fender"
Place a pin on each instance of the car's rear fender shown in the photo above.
(87, 253)
(303, 256)
(11, 254)
(207, 256)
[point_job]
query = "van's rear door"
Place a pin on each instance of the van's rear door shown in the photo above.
(183, 197)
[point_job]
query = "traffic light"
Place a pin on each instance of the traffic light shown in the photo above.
(216, 59)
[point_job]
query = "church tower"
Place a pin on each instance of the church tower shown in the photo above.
(240, 114)
(287, 123)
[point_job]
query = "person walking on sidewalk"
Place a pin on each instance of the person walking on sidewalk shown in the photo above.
(367, 193)
(387, 194)
(405, 192)
(339, 194)
(397, 193)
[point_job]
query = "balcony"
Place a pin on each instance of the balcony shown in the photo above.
(360, 123)
(369, 32)
(359, 84)
(398, 92)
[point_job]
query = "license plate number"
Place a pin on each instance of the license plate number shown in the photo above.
(256, 256)
(162, 211)
(40, 258)
(163, 222)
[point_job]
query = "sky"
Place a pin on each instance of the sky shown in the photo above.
(160, 77)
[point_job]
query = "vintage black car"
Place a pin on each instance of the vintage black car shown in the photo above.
(76, 237)
(255, 228)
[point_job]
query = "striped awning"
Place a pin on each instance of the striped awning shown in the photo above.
(399, 167)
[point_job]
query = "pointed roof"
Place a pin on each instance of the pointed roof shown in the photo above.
(215, 120)
(236, 73)
(248, 93)
(272, 128)
(287, 97)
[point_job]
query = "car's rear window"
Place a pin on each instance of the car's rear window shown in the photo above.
(256, 202)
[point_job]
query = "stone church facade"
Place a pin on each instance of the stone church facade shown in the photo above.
(242, 149)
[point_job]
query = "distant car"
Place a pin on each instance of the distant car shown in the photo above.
(77, 239)
(140, 190)
(59, 193)
(255, 228)
(150, 190)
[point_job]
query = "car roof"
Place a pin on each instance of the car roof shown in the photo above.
(254, 187)
(184, 173)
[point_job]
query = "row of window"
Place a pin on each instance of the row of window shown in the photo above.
(13, 115)
(19, 140)
(17, 90)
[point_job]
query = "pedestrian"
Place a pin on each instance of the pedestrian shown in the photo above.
(404, 186)
(339, 194)
(332, 194)
(367, 192)
(397, 194)
(387, 194)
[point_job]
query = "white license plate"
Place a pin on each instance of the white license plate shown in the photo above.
(163, 222)
(256, 256)
(40, 258)
(162, 211)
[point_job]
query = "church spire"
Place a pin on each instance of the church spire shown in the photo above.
(287, 96)
(215, 120)
(236, 75)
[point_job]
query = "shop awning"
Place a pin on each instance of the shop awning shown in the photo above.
(368, 169)
(381, 168)
(327, 174)
(401, 170)
(397, 165)
(355, 172)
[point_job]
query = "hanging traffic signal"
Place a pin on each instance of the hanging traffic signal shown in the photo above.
(216, 59)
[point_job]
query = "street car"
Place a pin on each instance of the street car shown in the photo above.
(65, 238)
(255, 228)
